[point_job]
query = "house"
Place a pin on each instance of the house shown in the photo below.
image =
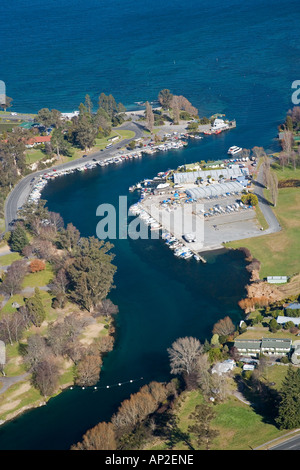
(248, 347)
(276, 346)
(269, 346)
(37, 140)
(281, 320)
(219, 124)
(293, 306)
(277, 279)
(223, 367)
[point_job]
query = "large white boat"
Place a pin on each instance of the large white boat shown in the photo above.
(234, 150)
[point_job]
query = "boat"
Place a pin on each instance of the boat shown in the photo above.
(234, 150)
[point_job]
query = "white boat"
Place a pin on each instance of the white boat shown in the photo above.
(234, 150)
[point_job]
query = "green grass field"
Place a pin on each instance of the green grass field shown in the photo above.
(279, 253)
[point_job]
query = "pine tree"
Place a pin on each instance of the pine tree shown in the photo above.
(18, 239)
(289, 407)
(35, 308)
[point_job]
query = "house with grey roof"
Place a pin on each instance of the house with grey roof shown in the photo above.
(268, 346)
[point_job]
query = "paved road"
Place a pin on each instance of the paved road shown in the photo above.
(21, 191)
(264, 205)
(291, 444)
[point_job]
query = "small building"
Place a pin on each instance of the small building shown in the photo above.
(219, 124)
(37, 140)
(276, 346)
(293, 306)
(248, 367)
(113, 138)
(281, 320)
(248, 347)
(69, 116)
(277, 279)
(223, 367)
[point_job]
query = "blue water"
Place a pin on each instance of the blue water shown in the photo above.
(237, 58)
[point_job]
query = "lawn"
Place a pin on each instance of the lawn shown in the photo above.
(240, 428)
(279, 253)
(39, 279)
(7, 260)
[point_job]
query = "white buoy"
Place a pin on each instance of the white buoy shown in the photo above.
(131, 381)
(107, 386)
(120, 384)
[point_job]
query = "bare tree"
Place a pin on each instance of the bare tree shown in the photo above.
(287, 143)
(149, 116)
(12, 327)
(100, 437)
(88, 370)
(224, 327)
(45, 376)
(107, 308)
(13, 279)
(274, 188)
(184, 354)
(266, 169)
(175, 109)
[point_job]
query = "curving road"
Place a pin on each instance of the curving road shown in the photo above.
(18, 196)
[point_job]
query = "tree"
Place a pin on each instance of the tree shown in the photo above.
(18, 239)
(266, 169)
(184, 354)
(88, 370)
(202, 416)
(69, 238)
(36, 351)
(35, 308)
(59, 143)
(12, 326)
(250, 199)
(7, 103)
(85, 132)
(100, 437)
(88, 104)
(37, 265)
(91, 273)
(12, 282)
(107, 308)
(274, 188)
(287, 143)
(175, 109)
(45, 376)
(273, 325)
(289, 407)
(149, 117)
(165, 98)
(224, 327)
(49, 118)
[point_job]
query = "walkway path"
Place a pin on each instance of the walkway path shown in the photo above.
(9, 381)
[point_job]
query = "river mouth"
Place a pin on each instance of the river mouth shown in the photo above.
(160, 298)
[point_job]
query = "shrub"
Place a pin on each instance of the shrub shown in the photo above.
(37, 265)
